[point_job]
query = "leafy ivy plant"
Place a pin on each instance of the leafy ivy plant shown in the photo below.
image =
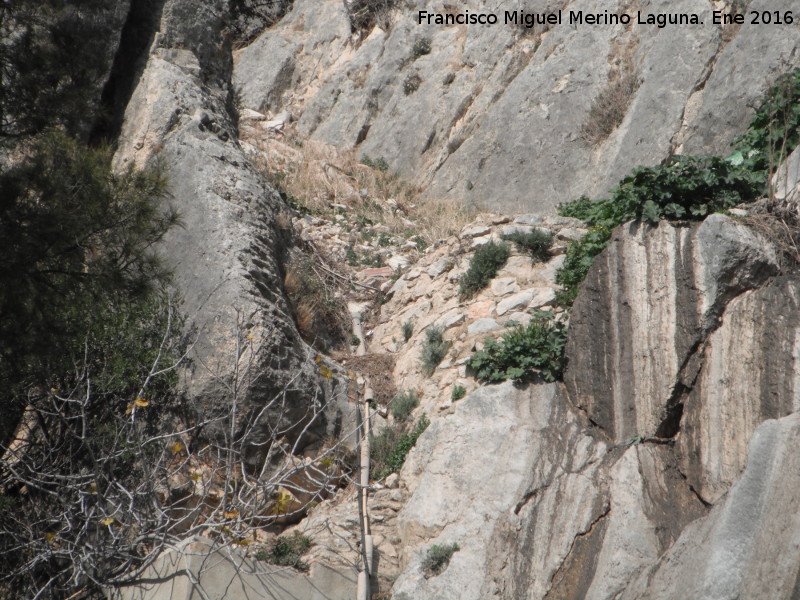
(684, 188)
(688, 187)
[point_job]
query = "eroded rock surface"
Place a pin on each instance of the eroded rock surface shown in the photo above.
(227, 253)
(648, 303)
(495, 115)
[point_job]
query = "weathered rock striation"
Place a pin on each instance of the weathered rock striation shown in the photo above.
(646, 307)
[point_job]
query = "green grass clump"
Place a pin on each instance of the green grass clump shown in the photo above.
(459, 391)
(408, 330)
(287, 551)
(379, 164)
(486, 262)
(536, 243)
(434, 350)
(438, 558)
(403, 404)
(523, 353)
(388, 449)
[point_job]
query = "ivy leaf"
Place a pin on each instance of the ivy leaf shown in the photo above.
(675, 211)
(651, 212)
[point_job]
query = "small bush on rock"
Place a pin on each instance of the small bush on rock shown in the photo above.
(536, 243)
(412, 83)
(287, 551)
(388, 449)
(421, 47)
(438, 558)
(486, 262)
(434, 350)
(408, 330)
(403, 404)
(523, 353)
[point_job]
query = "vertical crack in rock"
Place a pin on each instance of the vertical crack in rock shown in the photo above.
(677, 140)
(578, 567)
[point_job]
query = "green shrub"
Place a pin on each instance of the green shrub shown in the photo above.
(388, 449)
(434, 350)
(578, 261)
(287, 551)
(438, 558)
(523, 353)
(459, 391)
(379, 164)
(403, 404)
(420, 48)
(536, 243)
(486, 262)
(685, 187)
(774, 131)
(408, 330)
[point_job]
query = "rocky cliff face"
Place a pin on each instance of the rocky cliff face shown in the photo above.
(655, 472)
(228, 253)
(494, 115)
(663, 466)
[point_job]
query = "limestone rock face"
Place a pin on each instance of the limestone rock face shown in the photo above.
(540, 503)
(483, 462)
(748, 374)
(747, 546)
(227, 254)
(650, 300)
(494, 115)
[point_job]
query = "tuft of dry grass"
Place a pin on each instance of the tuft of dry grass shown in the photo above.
(611, 105)
(321, 179)
(319, 310)
(780, 224)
